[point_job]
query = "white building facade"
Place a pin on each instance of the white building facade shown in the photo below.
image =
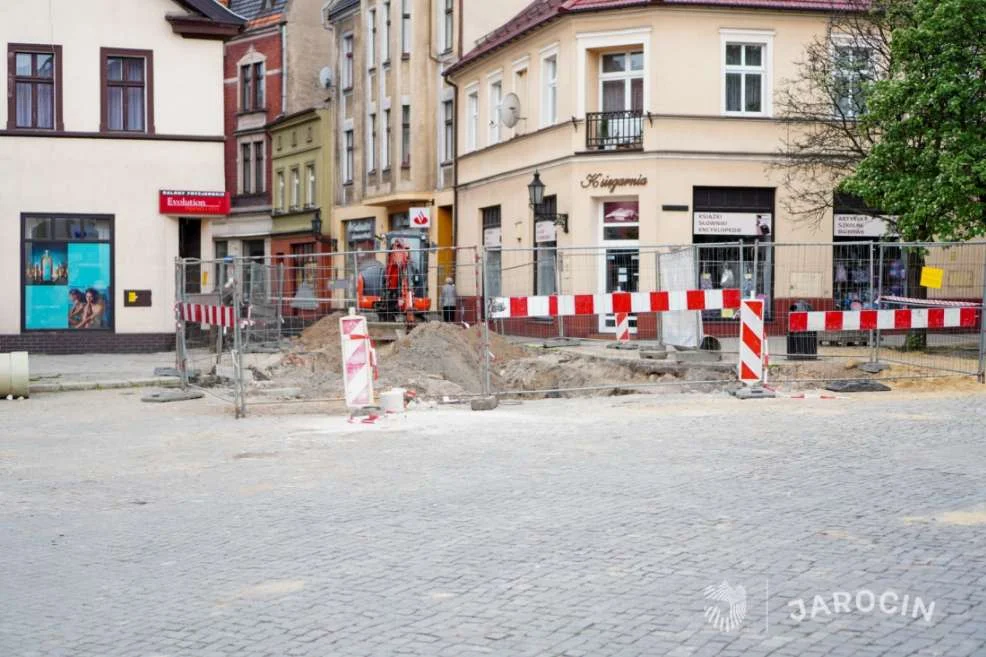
(110, 103)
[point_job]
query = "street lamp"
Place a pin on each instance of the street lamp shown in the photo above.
(317, 225)
(535, 191)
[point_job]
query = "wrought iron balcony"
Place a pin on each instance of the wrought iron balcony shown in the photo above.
(614, 130)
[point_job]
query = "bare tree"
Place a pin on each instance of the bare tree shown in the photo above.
(824, 100)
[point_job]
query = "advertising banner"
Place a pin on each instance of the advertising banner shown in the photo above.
(176, 202)
(859, 225)
(67, 286)
(745, 224)
(420, 217)
(545, 231)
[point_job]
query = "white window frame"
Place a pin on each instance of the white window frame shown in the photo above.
(405, 27)
(407, 144)
(282, 201)
(764, 38)
(385, 142)
(638, 38)
(310, 179)
(521, 85)
(494, 83)
(446, 16)
(549, 88)
(837, 41)
(348, 156)
(371, 142)
(447, 142)
(346, 62)
(385, 46)
(295, 188)
(371, 40)
(472, 117)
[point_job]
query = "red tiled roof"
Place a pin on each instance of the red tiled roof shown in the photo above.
(541, 12)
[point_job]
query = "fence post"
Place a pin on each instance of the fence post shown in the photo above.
(238, 378)
(981, 376)
(558, 278)
(879, 296)
(873, 297)
(279, 315)
(486, 327)
(181, 355)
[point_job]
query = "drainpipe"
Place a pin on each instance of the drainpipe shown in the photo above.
(284, 67)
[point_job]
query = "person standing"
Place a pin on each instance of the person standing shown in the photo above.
(448, 300)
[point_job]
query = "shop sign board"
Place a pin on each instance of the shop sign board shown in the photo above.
(859, 225)
(745, 224)
(545, 231)
(420, 217)
(185, 203)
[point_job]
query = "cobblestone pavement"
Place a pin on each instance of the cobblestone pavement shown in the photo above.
(558, 528)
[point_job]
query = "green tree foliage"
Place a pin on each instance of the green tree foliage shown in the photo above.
(927, 164)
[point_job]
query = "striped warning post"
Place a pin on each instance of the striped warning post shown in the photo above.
(206, 314)
(751, 344)
(869, 320)
(622, 327)
(357, 361)
(567, 305)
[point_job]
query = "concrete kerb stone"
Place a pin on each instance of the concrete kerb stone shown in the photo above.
(484, 403)
(76, 386)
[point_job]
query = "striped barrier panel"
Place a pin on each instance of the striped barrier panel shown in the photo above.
(612, 303)
(868, 320)
(358, 361)
(752, 343)
(205, 314)
(623, 327)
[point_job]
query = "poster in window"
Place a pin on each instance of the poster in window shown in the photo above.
(67, 286)
(621, 220)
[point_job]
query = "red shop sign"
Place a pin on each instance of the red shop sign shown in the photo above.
(197, 203)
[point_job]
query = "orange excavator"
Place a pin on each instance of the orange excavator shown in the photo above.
(397, 291)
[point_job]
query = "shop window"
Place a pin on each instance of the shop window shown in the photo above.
(303, 272)
(621, 221)
(68, 272)
(361, 246)
(34, 87)
(856, 270)
(400, 221)
(492, 240)
(546, 251)
(737, 215)
(127, 90)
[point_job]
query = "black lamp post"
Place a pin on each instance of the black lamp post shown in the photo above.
(317, 225)
(535, 191)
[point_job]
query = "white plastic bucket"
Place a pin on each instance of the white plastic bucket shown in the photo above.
(14, 375)
(392, 401)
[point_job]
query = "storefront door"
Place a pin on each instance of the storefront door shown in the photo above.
(619, 270)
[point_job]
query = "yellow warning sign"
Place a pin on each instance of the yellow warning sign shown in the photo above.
(132, 296)
(932, 277)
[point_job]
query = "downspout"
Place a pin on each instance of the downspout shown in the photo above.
(284, 67)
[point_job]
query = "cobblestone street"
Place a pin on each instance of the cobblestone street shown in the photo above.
(555, 528)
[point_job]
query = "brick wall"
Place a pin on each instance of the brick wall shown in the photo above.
(268, 43)
(82, 342)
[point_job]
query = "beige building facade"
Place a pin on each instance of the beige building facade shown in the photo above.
(95, 129)
(648, 124)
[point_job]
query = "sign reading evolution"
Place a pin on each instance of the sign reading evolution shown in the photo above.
(193, 203)
(603, 181)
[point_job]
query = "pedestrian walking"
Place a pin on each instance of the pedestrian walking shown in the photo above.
(449, 300)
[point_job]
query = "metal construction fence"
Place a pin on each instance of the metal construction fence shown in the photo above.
(682, 300)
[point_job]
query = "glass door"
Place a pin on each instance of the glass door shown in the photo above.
(620, 266)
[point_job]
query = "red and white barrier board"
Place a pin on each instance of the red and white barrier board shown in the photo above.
(752, 342)
(866, 320)
(613, 303)
(204, 314)
(358, 361)
(622, 327)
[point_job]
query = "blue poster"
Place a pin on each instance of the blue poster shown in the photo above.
(68, 286)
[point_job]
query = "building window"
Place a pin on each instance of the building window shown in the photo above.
(400, 221)
(252, 87)
(385, 146)
(282, 201)
(448, 138)
(371, 43)
(259, 173)
(448, 26)
(496, 97)
(68, 268)
(746, 88)
(546, 251)
(310, 178)
(405, 135)
(549, 102)
(295, 188)
(405, 27)
(347, 162)
(520, 88)
(385, 46)
(34, 87)
(246, 172)
(621, 81)
(371, 142)
(128, 96)
(492, 241)
(852, 69)
(472, 120)
(347, 62)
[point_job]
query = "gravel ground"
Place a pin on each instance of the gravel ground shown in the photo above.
(562, 528)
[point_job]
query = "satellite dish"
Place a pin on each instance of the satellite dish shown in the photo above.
(325, 77)
(510, 110)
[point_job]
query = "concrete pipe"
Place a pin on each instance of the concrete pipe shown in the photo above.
(14, 376)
